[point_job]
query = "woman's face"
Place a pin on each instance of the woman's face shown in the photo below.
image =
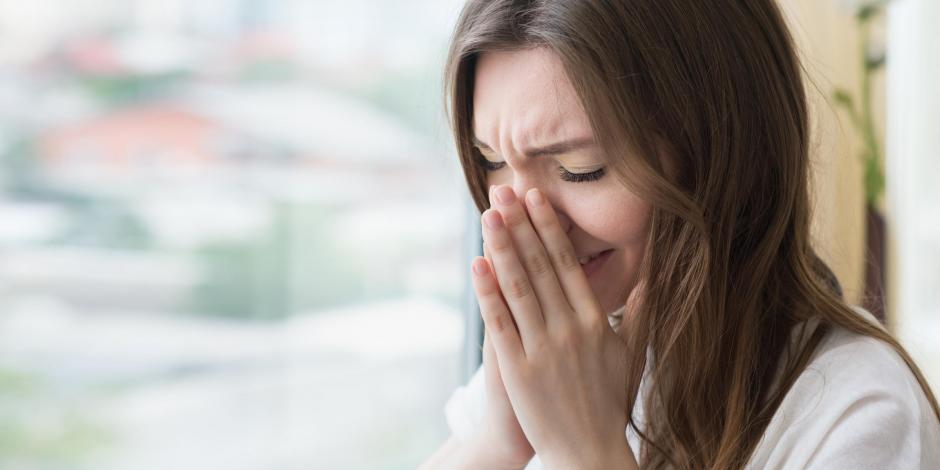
(529, 123)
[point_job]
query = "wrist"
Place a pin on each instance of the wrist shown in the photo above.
(615, 454)
(478, 453)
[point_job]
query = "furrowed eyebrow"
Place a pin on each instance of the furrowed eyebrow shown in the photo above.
(558, 148)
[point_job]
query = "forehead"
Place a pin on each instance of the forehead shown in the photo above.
(526, 96)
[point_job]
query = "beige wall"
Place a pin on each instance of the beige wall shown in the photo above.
(828, 40)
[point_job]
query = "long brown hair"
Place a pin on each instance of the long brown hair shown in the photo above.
(714, 88)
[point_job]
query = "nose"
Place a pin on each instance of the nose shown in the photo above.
(521, 185)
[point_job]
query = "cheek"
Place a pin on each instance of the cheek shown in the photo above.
(619, 219)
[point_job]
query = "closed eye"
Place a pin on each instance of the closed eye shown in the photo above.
(580, 177)
(563, 173)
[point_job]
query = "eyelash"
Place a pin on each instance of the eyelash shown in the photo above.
(562, 172)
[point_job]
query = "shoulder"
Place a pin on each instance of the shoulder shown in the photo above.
(857, 405)
(848, 366)
(857, 365)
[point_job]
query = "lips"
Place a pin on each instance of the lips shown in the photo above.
(591, 263)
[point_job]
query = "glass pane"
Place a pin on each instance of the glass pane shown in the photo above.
(913, 110)
(232, 237)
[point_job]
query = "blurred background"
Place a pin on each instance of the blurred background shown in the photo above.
(234, 235)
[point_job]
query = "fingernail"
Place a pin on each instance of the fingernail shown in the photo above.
(505, 195)
(493, 219)
(534, 197)
(479, 267)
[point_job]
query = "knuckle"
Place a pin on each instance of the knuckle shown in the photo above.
(500, 246)
(500, 322)
(566, 340)
(566, 259)
(541, 347)
(519, 288)
(513, 218)
(538, 264)
(487, 289)
(597, 327)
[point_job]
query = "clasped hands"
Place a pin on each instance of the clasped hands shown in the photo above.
(553, 354)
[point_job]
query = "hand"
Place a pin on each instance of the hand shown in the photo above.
(563, 367)
(500, 439)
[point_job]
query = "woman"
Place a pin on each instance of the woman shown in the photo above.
(650, 158)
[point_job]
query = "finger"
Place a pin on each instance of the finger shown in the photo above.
(488, 353)
(497, 318)
(532, 254)
(513, 280)
(489, 259)
(563, 257)
(493, 380)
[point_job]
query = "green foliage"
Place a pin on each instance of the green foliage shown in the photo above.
(322, 275)
(268, 71)
(117, 89)
(860, 115)
(875, 61)
(411, 96)
(42, 429)
(866, 12)
(874, 179)
(843, 98)
(294, 266)
(244, 280)
(19, 161)
(106, 224)
(14, 383)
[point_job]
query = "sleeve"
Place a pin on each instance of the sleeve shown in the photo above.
(464, 409)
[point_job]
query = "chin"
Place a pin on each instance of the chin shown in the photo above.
(613, 296)
(610, 303)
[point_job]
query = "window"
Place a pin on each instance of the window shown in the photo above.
(912, 168)
(234, 234)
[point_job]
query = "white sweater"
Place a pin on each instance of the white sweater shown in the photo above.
(856, 406)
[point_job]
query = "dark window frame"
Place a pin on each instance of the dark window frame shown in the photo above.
(472, 352)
